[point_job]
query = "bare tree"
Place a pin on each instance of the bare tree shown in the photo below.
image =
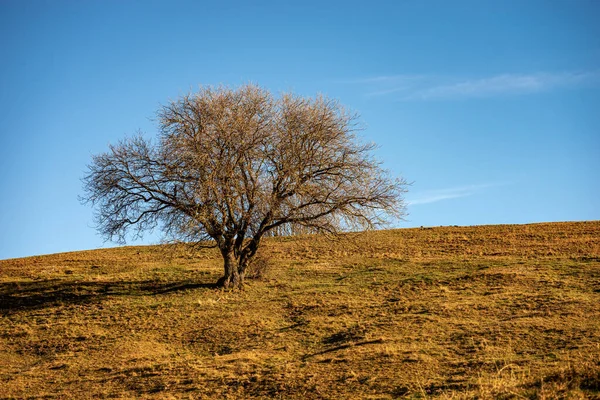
(231, 165)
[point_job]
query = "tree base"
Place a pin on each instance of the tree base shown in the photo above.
(230, 282)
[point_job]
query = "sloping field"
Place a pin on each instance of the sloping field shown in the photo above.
(509, 311)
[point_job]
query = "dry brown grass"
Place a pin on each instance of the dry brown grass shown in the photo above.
(451, 312)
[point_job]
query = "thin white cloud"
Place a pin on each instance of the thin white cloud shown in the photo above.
(430, 87)
(506, 84)
(434, 196)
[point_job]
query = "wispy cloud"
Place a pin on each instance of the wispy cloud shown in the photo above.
(506, 84)
(434, 196)
(430, 87)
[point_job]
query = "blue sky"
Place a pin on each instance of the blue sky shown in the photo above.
(489, 107)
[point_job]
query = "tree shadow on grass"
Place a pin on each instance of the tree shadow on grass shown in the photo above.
(21, 296)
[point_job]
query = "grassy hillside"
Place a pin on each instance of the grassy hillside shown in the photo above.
(506, 311)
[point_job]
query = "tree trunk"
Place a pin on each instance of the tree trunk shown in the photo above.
(233, 278)
(247, 254)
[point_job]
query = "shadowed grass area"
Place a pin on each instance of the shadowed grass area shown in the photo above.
(451, 312)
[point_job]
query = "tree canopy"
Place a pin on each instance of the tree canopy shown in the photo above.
(231, 165)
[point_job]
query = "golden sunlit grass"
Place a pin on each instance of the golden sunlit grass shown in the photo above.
(452, 312)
